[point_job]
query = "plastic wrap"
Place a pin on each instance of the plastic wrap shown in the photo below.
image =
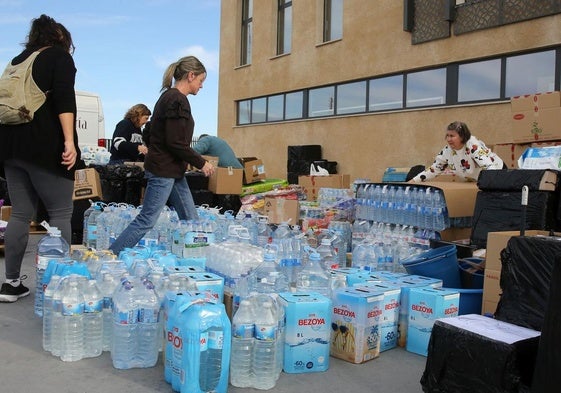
(502, 211)
(515, 179)
(527, 263)
(462, 361)
(547, 378)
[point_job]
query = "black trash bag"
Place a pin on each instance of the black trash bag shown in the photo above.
(547, 377)
(527, 264)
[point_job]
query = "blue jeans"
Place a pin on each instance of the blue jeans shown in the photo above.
(159, 190)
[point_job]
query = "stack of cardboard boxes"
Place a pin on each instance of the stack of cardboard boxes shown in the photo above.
(534, 123)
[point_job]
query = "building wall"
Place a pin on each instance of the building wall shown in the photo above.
(373, 44)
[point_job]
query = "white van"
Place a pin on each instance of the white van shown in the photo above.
(90, 123)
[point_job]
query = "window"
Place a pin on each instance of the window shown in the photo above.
(321, 101)
(386, 93)
(479, 81)
(259, 110)
(332, 20)
(284, 27)
(275, 108)
(244, 112)
(425, 88)
(247, 32)
(351, 98)
(530, 74)
(294, 105)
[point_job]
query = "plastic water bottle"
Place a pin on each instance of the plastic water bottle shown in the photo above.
(313, 276)
(327, 253)
(243, 327)
(48, 312)
(263, 231)
(149, 328)
(264, 350)
(51, 246)
(90, 223)
(125, 330)
(73, 321)
(268, 277)
(211, 358)
(93, 320)
(206, 333)
(87, 213)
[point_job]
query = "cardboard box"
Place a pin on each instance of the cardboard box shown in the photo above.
(459, 196)
(281, 210)
(307, 332)
(491, 287)
(5, 213)
(510, 153)
(536, 117)
(226, 181)
(356, 317)
(212, 159)
(254, 170)
(390, 312)
(312, 184)
(87, 184)
(530, 102)
(426, 305)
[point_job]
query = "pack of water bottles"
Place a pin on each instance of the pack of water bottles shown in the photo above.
(73, 319)
(257, 342)
(413, 205)
(197, 343)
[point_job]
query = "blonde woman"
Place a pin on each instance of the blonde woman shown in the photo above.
(171, 131)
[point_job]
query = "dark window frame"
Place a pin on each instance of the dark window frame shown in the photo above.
(283, 7)
(246, 32)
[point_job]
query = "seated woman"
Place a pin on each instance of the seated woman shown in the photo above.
(127, 142)
(464, 155)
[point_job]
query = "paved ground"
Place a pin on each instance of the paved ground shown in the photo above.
(25, 367)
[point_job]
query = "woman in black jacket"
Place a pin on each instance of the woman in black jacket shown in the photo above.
(38, 159)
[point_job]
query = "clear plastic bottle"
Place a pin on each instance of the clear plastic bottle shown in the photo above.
(93, 320)
(327, 253)
(313, 276)
(268, 277)
(51, 247)
(72, 302)
(90, 223)
(263, 231)
(87, 213)
(211, 358)
(107, 285)
(125, 325)
(243, 326)
(56, 317)
(149, 328)
(265, 347)
(48, 312)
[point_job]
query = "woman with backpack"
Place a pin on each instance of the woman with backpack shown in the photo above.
(38, 158)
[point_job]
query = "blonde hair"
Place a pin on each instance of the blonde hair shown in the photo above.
(180, 69)
(136, 112)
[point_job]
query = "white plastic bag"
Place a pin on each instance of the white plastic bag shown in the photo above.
(319, 171)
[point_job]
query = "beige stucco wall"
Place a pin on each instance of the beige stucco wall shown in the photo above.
(373, 43)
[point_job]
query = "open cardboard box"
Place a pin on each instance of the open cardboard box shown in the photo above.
(312, 184)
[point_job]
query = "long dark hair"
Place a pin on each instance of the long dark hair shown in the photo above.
(45, 31)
